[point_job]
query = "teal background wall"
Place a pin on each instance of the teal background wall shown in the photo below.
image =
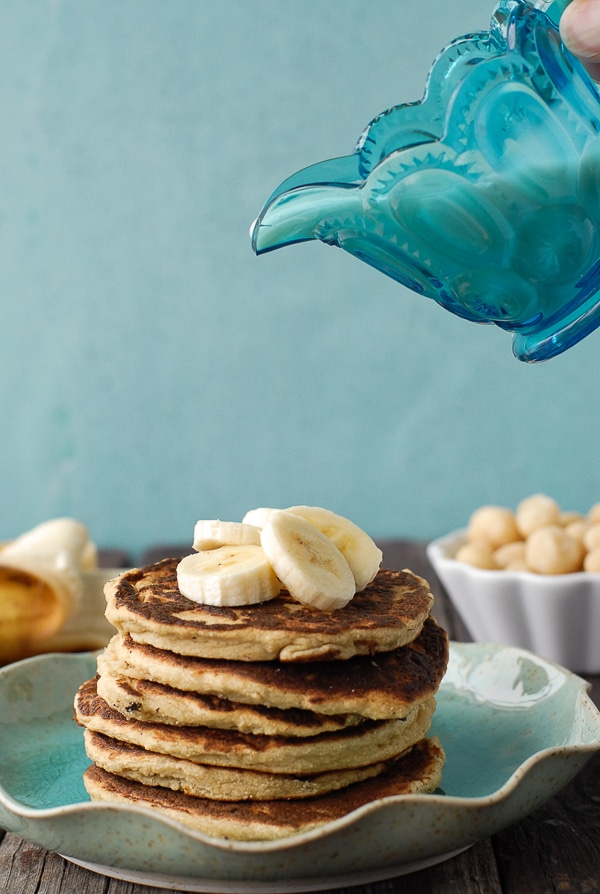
(153, 370)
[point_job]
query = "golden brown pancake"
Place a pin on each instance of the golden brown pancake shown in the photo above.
(216, 783)
(419, 770)
(353, 747)
(261, 721)
(153, 702)
(381, 687)
(146, 603)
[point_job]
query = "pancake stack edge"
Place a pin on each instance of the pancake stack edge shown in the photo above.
(268, 720)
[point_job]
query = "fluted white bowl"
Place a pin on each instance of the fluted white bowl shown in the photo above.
(555, 616)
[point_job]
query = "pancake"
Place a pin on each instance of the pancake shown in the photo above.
(419, 770)
(215, 783)
(264, 720)
(381, 687)
(146, 603)
(153, 702)
(354, 747)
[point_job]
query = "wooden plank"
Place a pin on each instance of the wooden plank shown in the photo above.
(472, 872)
(76, 880)
(61, 876)
(556, 850)
(21, 865)
(28, 869)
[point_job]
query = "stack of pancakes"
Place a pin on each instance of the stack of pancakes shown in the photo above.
(265, 720)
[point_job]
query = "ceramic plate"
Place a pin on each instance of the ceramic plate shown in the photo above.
(515, 727)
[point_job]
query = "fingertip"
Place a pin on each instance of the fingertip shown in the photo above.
(580, 30)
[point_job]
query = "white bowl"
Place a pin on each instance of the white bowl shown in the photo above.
(555, 616)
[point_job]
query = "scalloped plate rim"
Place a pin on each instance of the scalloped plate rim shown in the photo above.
(45, 816)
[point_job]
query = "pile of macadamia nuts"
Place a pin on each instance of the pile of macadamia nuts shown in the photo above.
(538, 536)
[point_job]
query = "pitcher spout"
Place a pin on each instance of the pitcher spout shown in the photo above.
(302, 214)
(297, 210)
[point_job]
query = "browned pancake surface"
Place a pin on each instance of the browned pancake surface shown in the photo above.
(147, 604)
(379, 687)
(419, 770)
(217, 783)
(356, 746)
(156, 703)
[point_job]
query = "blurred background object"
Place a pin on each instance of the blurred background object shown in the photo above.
(154, 371)
(51, 591)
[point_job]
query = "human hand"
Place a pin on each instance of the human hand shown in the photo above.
(580, 30)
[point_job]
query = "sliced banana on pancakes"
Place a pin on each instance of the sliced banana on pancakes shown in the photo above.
(307, 563)
(321, 558)
(259, 517)
(360, 551)
(212, 533)
(233, 575)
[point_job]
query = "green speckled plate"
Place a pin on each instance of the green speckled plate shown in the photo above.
(515, 727)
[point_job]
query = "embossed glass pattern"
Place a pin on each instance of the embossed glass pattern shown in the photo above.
(484, 196)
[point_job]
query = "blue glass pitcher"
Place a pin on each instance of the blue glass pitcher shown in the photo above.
(484, 196)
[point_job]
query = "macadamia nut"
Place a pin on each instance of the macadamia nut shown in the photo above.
(577, 530)
(591, 538)
(509, 554)
(517, 565)
(536, 511)
(538, 536)
(550, 550)
(493, 525)
(567, 518)
(478, 554)
(592, 561)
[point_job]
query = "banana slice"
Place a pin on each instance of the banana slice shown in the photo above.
(259, 517)
(307, 563)
(228, 575)
(360, 551)
(212, 533)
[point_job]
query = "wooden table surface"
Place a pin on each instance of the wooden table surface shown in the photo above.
(555, 850)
